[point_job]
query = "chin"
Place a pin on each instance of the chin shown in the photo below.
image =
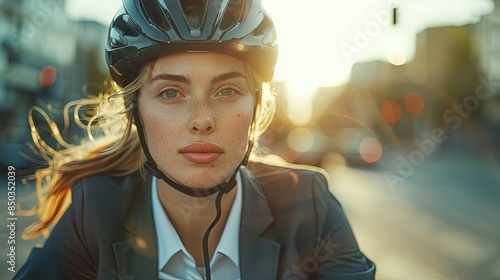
(202, 178)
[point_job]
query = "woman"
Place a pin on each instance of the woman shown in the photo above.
(191, 77)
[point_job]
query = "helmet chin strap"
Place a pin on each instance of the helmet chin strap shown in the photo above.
(153, 169)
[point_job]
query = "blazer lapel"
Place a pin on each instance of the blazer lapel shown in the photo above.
(137, 257)
(258, 255)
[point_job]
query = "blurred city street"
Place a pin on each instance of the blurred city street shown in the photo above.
(441, 222)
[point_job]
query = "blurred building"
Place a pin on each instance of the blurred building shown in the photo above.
(487, 37)
(488, 41)
(45, 58)
(443, 72)
(442, 89)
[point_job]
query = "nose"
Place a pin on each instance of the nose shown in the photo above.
(201, 122)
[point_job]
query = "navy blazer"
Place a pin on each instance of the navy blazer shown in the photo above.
(292, 227)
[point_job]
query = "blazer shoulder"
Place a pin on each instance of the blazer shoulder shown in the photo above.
(108, 183)
(271, 162)
(277, 178)
(103, 195)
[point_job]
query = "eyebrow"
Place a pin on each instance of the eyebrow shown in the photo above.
(171, 77)
(227, 76)
(187, 80)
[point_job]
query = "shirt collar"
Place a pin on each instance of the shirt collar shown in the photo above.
(170, 243)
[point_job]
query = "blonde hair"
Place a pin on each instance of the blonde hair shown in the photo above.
(112, 147)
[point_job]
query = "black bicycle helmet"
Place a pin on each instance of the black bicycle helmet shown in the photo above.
(143, 30)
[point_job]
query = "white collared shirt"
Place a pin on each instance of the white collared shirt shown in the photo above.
(175, 262)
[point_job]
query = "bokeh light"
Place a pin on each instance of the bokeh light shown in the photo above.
(397, 58)
(414, 103)
(141, 243)
(391, 111)
(47, 76)
(300, 139)
(370, 149)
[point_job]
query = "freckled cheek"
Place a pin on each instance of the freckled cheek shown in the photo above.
(160, 131)
(238, 130)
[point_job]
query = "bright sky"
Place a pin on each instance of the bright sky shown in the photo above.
(319, 41)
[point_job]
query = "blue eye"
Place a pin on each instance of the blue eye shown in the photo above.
(228, 92)
(169, 93)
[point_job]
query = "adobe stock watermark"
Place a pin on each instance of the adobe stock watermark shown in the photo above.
(454, 117)
(46, 9)
(363, 36)
(322, 253)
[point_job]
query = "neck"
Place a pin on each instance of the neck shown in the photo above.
(172, 199)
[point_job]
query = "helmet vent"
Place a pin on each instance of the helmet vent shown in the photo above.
(232, 14)
(194, 11)
(264, 27)
(124, 26)
(153, 10)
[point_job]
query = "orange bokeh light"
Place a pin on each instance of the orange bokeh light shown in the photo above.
(47, 76)
(370, 149)
(414, 103)
(391, 111)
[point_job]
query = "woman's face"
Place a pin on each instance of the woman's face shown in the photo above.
(197, 109)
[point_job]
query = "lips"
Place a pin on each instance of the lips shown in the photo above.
(201, 152)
